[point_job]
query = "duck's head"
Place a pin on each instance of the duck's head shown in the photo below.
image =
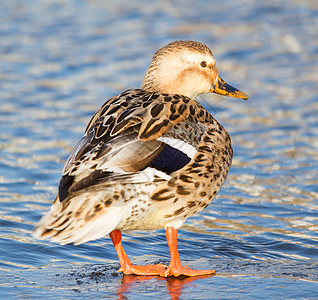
(187, 68)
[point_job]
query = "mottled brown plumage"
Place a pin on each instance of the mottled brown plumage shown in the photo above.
(150, 158)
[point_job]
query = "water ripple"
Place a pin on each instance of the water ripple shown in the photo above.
(61, 60)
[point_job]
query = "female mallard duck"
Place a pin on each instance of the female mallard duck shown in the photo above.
(150, 158)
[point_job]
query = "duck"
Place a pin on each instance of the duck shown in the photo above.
(150, 158)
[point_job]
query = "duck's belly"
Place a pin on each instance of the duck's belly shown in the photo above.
(142, 212)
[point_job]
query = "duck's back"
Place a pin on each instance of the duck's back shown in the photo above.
(147, 160)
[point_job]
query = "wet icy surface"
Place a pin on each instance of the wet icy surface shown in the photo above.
(61, 60)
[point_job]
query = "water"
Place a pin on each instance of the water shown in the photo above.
(61, 60)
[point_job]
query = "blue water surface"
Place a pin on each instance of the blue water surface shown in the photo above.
(60, 60)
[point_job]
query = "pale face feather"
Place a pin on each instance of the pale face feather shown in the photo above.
(181, 72)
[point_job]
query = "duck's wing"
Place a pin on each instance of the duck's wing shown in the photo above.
(131, 139)
(123, 138)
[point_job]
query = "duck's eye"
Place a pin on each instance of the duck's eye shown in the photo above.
(203, 64)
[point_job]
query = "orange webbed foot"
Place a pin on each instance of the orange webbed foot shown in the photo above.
(175, 268)
(186, 271)
(126, 266)
(143, 270)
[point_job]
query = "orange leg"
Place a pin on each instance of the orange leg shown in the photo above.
(125, 265)
(175, 268)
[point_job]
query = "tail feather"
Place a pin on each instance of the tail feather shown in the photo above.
(79, 220)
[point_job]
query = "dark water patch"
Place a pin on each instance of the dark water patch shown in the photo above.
(235, 279)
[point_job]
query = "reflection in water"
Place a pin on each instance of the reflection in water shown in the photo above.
(174, 285)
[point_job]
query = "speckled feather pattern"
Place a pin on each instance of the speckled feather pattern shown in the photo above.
(141, 200)
(108, 182)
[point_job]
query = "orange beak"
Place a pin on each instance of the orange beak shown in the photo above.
(222, 88)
